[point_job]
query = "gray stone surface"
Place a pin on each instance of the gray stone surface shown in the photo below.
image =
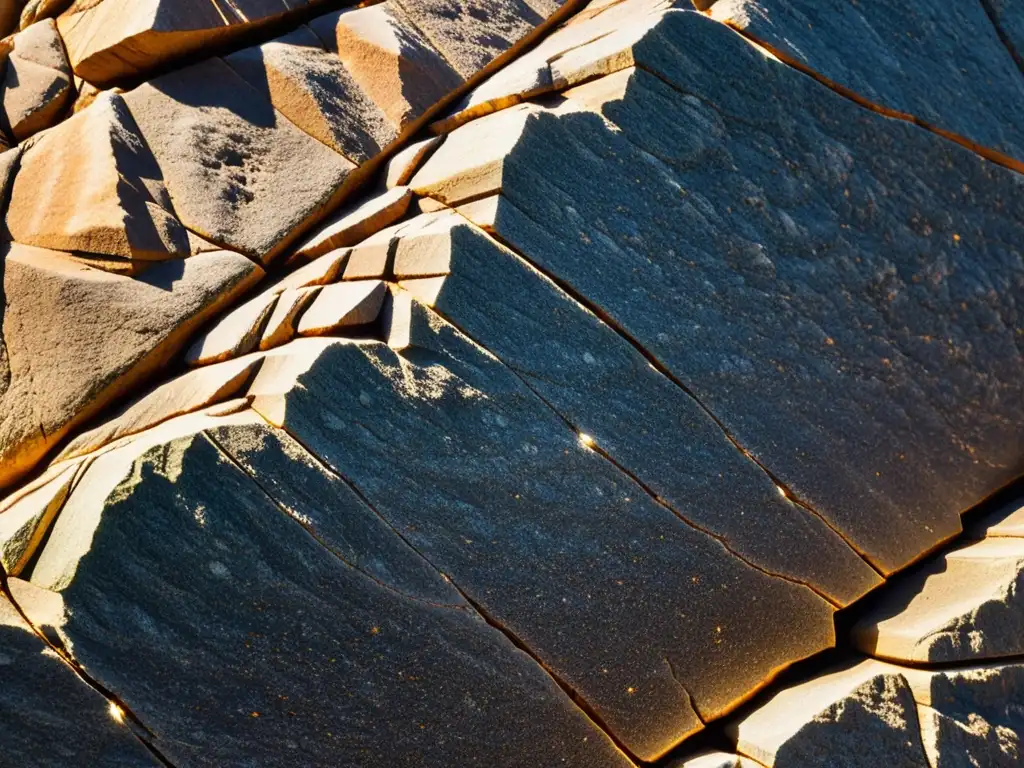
(646, 423)
(943, 64)
(241, 640)
(51, 719)
(634, 609)
(840, 289)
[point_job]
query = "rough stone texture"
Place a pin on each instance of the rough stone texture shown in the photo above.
(944, 65)
(178, 548)
(390, 59)
(27, 515)
(966, 605)
(77, 338)
(357, 222)
(864, 715)
(1008, 18)
(91, 184)
(109, 40)
(634, 609)
(405, 163)
(713, 760)
(236, 333)
(1007, 519)
(471, 34)
(793, 259)
(192, 391)
(343, 305)
(647, 424)
(282, 325)
(971, 716)
(238, 171)
(36, 88)
(51, 718)
(311, 87)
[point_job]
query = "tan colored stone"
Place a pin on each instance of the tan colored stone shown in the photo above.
(90, 184)
(25, 518)
(37, 10)
(235, 334)
(77, 338)
(189, 392)
(965, 605)
(425, 246)
(312, 88)
(713, 760)
(36, 88)
(473, 166)
(472, 34)
(1006, 520)
(110, 40)
(357, 222)
(320, 271)
(281, 327)
(603, 56)
(867, 710)
(403, 165)
(239, 172)
(343, 305)
(390, 59)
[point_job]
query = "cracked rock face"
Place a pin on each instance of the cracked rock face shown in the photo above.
(512, 383)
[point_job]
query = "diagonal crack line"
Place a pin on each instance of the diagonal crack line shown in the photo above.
(684, 689)
(596, 448)
(988, 153)
(573, 696)
(284, 510)
(661, 368)
(136, 727)
(1017, 56)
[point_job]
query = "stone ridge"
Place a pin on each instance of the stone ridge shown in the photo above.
(576, 432)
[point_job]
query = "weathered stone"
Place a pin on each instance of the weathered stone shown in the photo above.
(1007, 519)
(644, 421)
(37, 10)
(390, 59)
(108, 194)
(184, 551)
(343, 305)
(110, 40)
(281, 327)
(36, 88)
(192, 391)
(713, 760)
(636, 610)
(965, 605)
(864, 715)
(51, 718)
(26, 516)
(472, 34)
(320, 271)
(312, 88)
(357, 223)
(100, 335)
(846, 310)
(1009, 23)
(971, 716)
(529, 75)
(239, 172)
(404, 164)
(920, 58)
(424, 248)
(235, 334)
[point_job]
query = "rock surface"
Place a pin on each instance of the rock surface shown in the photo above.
(36, 88)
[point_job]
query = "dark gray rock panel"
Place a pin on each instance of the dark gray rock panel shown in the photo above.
(240, 640)
(635, 610)
(842, 290)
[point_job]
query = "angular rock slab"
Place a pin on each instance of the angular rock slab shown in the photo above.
(965, 605)
(91, 184)
(51, 718)
(109, 40)
(390, 59)
(36, 88)
(943, 66)
(357, 222)
(311, 87)
(639, 613)
(25, 516)
(78, 338)
(1006, 15)
(241, 638)
(640, 418)
(864, 715)
(841, 290)
(1007, 519)
(971, 715)
(238, 171)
